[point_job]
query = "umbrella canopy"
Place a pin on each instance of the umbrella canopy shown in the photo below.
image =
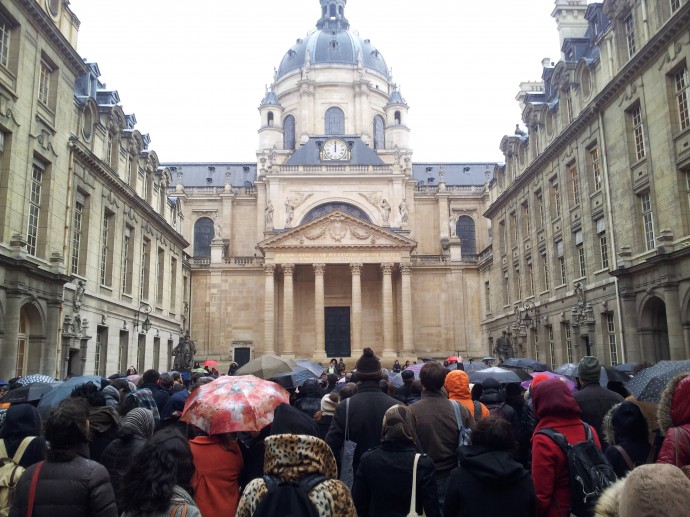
(211, 363)
(395, 378)
(626, 367)
(230, 404)
(315, 367)
(294, 378)
(502, 375)
(648, 384)
(267, 366)
(567, 369)
(453, 359)
(28, 393)
(199, 370)
(415, 369)
(36, 377)
(50, 400)
(610, 374)
(525, 362)
(552, 375)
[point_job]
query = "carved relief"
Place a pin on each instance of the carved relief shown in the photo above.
(45, 140)
(671, 54)
(630, 93)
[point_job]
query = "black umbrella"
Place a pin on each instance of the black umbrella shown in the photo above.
(502, 375)
(648, 384)
(525, 362)
(626, 367)
(610, 374)
(28, 393)
(474, 366)
(294, 378)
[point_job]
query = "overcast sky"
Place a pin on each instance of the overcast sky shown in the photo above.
(194, 73)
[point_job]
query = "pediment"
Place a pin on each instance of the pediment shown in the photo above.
(338, 229)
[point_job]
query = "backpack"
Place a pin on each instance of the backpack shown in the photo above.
(589, 471)
(288, 498)
(464, 433)
(10, 472)
(497, 410)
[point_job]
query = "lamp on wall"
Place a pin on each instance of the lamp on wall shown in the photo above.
(144, 308)
(525, 322)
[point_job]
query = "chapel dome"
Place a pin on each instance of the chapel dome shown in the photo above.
(332, 43)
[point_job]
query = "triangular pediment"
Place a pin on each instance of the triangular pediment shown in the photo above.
(338, 229)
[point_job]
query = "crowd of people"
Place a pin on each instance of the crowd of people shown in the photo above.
(352, 444)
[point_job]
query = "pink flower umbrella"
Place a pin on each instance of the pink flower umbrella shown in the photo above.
(234, 403)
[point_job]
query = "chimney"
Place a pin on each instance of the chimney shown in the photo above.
(570, 18)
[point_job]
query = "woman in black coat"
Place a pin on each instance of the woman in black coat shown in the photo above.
(383, 482)
(22, 421)
(489, 481)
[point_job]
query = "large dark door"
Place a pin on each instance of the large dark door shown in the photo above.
(337, 331)
(242, 355)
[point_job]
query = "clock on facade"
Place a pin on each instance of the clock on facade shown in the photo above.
(334, 149)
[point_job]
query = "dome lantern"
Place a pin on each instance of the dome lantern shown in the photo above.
(333, 15)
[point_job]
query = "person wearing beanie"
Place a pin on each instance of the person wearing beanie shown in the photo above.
(594, 400)
(324, 417)
(135, 428)
(366, 410)
(404, 393)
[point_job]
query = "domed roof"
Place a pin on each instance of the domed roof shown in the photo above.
(332, 43)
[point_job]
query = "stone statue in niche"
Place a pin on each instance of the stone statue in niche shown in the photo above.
(504, 348)
(404, 211)
(78, 295)
(184, 353)
(289, 211)
(385, 210)
(268, 215)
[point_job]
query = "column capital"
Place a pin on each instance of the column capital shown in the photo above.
(356, 268)
(387, 268)
(288, 269)
(405, 269)
(319, 269)
(269, 269)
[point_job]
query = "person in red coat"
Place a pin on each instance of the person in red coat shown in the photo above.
(218, 464)
(674, 420)
(554, 408)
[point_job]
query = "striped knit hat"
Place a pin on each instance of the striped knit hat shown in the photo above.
(139, 422)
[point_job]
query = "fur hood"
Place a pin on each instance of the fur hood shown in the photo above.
(625, 422)
(674, 405)
(607, 506)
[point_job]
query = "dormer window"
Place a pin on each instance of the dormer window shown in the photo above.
(333, 45)
(270, 118)
(398, 118)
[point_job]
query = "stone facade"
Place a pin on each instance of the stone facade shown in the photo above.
(334, 239)
(590, 212)
(88, 240)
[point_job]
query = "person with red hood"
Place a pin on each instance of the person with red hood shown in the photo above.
(555, 408)
(674, 420)
(457, 385)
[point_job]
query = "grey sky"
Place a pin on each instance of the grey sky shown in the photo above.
(194, 73)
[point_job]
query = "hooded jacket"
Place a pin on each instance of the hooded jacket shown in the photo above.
(21, 421)
(216, 476)
(555, 408)
(291, 457)
(309, 400)
(674, 421)
(489, 482)
(625, 426)
(457, 385)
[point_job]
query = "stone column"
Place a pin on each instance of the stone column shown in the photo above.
(387, 296)
(8, 357)
(288, 310)
(269, 310)
(677, 345)
(49, 359)
(319, 323)
(631, 339)
(408, 338)
(356, 349)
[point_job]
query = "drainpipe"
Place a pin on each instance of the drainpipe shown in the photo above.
(609, 211)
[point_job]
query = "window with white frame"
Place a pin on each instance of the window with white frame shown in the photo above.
(77, 231)
(173, 284)
(603, 243)
(530, 278)
(568, 342)
(5, 33)
(99, 352)
(629, 24)
(518, 277)
(44, 82)
(504, 236)
(160, 276)
(487, 297)
(127, 256)
(109, 149)
(638, 132)
(581, 259)
(536, 346)
(569, 107)
(145, 265)
(647, 220)
(540, 209)
(675, 5)
(611, 330)
(682, 87)
(561, 262)
(545, 267)
(506, 289)
(552, 349)
(106, 262)
(516, 233)
(574, 183)
(37, 172)
(596, 168)
(525, 219)
(556, 199)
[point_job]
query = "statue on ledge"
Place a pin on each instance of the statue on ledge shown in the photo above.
(184, 353)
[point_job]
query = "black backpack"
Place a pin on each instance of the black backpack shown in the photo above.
(589, 470)
(497, 410)
(289, 498)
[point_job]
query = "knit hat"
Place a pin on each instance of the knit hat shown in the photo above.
(328, 403)
(589, 370)
(368, 366)
(657, 489)
(139, 422)
(407, 375)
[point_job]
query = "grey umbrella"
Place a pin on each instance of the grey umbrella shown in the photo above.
(526, 362)
(502, 375)
(649, 383)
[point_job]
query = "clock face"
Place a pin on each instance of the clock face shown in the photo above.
(334, 149)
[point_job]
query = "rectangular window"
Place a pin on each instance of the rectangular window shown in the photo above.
(604, 250)
(160, 276)
(638, 132)
(647, 221)
(629, 23)
(5, 30)
(128, 179)
(569, 107)
(37, 171)
(506, 289)
(504, 236)
(44, 82)
(530, 276)
(561, 268)
(682, 87)
(109, 149)
(611, 329)
(556, 198)
(107, 242)
(514, 222)
(100, 351)
(536, 346)
(518, 277)
(145, 269)
(525, 219)
(540, 209)
(574, 184)
(568, 342)
(581, 260)
(596, 168)
(552, 349)
(545, 266)
(21, 353)
(76, 232)
(127, 255)
(675, 5)
(487, 297)
(173, 284)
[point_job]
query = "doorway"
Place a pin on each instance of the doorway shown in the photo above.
(337, 331)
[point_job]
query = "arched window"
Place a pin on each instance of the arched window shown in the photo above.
(379, 138)
(289, 133)
(465, 230)
(203, 235)
(398, 118)
(270, 118)
(335, 121)
(330, 207)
